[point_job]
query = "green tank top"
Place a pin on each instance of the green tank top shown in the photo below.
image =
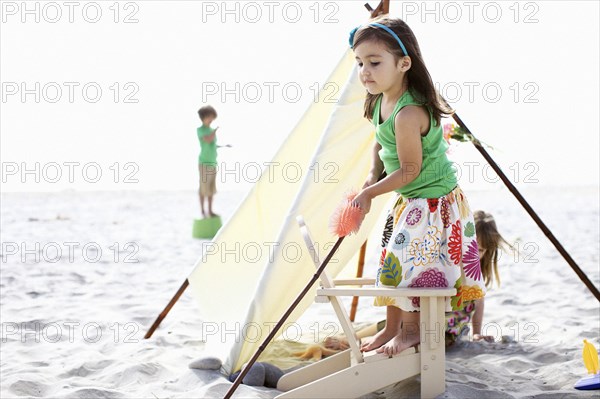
(437, 177)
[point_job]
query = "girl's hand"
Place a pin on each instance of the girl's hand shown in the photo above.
(486, 338)
(363, 201)
(371, 179)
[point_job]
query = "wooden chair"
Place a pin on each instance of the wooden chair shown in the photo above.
(352, 373)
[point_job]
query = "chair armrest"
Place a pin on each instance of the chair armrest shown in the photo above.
(354, 281)
(383, 291)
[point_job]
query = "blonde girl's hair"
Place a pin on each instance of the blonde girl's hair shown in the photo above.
(492, 241)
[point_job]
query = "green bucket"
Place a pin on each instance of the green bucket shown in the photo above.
(207, 227)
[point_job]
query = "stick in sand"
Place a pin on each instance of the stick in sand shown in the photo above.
(359, 273)
(166, 310)
(588, 283)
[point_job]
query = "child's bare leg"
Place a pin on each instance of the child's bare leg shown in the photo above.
(409, 335)
(210, 202)
(202, 203)
(391, 329)
(368, 331)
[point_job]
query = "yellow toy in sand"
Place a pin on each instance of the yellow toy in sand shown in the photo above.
(590, 359)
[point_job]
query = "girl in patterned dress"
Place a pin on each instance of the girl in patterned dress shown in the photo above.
(429, 238)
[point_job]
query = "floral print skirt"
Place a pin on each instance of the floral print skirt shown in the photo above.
(430, 242)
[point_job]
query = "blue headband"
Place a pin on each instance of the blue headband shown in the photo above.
(385, 28)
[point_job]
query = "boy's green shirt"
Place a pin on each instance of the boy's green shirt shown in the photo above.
(208, 151)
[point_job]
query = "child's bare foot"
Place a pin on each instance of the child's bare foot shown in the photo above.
(377, 340)
(486, 338)
(203, 213)
(399, 343)
(336, 343)
(212, 215)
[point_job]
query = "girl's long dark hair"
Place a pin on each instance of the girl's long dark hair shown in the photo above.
(419, 81)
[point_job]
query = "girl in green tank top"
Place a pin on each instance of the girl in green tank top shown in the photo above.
(429, 236)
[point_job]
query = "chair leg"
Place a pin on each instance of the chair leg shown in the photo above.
(433, 350)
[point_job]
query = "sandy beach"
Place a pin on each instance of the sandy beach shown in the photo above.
(84, 274)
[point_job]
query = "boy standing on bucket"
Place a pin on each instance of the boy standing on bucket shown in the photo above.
(207, 161)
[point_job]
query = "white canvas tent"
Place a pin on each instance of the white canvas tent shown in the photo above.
(257, 263)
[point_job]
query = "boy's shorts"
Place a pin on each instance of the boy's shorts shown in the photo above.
(208, 179)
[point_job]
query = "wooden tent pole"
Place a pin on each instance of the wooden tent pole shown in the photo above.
(359, 274)
(166, 310)
(382, 8)
(530, 211)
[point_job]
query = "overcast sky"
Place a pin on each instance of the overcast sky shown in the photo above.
(111, 87)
